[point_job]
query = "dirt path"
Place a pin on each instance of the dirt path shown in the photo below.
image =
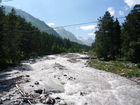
(69, 81)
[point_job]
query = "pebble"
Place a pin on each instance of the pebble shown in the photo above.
(36, 83)
(27, 75)
(27, 80)
(39, 91)
(65, 75)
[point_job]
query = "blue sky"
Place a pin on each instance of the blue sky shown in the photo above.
(64, 12)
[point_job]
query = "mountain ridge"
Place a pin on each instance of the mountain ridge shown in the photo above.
(67, 35)
(87, 41)
(41, 25)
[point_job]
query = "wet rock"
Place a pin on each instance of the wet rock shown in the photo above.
(71, 78)
(43, 98)
(86, 103)
(57, 98)
(25, 99)
(16, 102)
(27, 80)
(5, 98)
(16, 72)
(1, 102)
(36, 83)
(39, 91)
(82, 93)
(32, 85)
(60, 67)
(65, 75)
(62, 103)
(63, 83)
(49, 100)
(73, 60)
(27, 75)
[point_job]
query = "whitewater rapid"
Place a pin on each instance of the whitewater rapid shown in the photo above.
(75, 83)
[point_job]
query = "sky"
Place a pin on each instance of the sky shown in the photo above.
(64, 12)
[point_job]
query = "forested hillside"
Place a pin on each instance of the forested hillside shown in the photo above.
(41, 25)
(20, 40)
(119, 42)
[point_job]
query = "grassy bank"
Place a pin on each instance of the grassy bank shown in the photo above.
(126, 69)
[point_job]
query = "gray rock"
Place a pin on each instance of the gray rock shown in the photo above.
(62, 103)
(1, 102)
(27, 75)
(39, 91)
(49, 100)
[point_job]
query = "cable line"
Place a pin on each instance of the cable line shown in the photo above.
(82, 23)
(69, 25)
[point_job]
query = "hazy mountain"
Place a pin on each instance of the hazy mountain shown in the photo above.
(68, 35)
(34, 21)
(45, 28)
(87, 41)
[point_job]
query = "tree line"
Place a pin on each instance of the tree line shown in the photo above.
(20, 40)
(114, 41)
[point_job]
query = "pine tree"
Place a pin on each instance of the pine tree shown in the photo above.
(116, 39)
(2, 17)
(107, 37)
(103, 36)
(131, 35)
(11, 38)
(20, 40)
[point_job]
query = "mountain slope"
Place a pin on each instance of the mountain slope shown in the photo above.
(68, 35)
(88, 41)
(34, 21)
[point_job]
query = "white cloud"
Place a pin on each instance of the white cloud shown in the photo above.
(126, 8)
(131, 3)
(88, 27)
(91, 34)
(111, 10)
(121, 13)
(51, 24)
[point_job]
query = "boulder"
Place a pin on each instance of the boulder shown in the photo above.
(49, 100)
(39, 91)
(1, 102)
(62, 103)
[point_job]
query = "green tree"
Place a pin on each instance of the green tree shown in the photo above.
(20, 40)
(131, 36)
(107, 37)
(2, 17)
(11, 38)
(116, 40)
